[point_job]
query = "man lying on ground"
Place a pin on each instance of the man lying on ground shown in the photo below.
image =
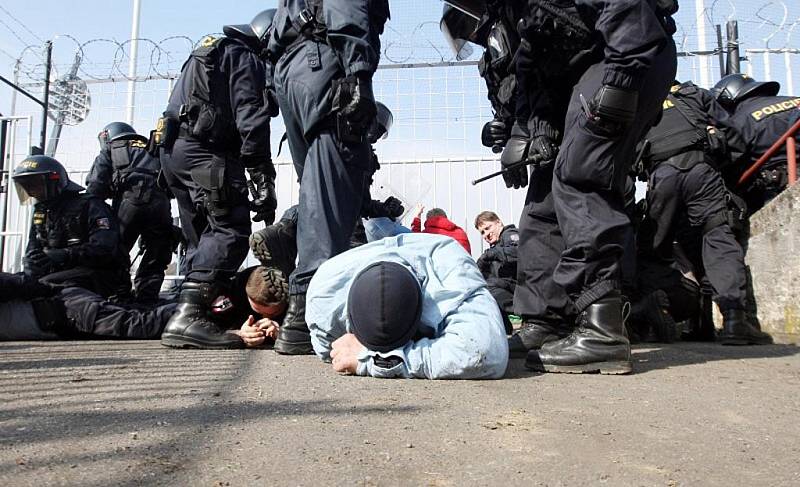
(30, 310)
(413, 305)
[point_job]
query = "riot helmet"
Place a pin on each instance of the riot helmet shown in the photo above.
(117, 131)
(381, 124)
(42, 178)
(473, 8)
(457, 27)
(256, 31)
(733, 88)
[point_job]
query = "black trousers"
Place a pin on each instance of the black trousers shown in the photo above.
(211, 190)
(681, 203)
(502, 290)
(333, 174)
(150, 219)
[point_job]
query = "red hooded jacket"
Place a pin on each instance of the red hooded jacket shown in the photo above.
(440, 225)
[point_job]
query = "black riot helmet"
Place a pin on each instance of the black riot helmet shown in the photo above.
(42, 178)
(256, 31)
(117, 131)
(733, 88)
(381, 124)
(457, 27)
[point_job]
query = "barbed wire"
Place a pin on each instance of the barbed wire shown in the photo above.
(102, 59)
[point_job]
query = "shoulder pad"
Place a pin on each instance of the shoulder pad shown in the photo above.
(208, 45)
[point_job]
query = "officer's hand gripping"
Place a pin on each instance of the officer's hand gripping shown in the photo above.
(391, 207)
(360, 110)
(495, 134)
(262, 188)
(36, 263)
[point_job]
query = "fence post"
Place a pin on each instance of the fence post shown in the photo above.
(720, 50)
(733, 64)
(45, 105)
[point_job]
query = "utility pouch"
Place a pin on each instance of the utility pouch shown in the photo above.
(212, 180)
(346, 132)
(164, 135)
(736, 212)
(342, 95)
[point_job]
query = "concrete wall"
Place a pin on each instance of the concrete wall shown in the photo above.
(774, 260)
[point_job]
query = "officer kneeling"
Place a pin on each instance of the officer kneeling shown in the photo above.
(74, 238)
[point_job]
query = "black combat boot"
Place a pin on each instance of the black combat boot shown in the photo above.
(293, 335)
(191, 325)
(702, 326)
(276, 246)
(598, 344)
(651, 313)
(532, 336)
(737, 330)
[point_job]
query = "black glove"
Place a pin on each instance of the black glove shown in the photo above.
(516, 150)
(361, 108)
(612, 110)
(546, 147)
(495, 134)
(265, 200)
(58, 257)
(389, 208)
(36, 263)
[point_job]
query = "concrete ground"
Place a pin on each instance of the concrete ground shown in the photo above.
(135, 413)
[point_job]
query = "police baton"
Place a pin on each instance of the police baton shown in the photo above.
(513, 167)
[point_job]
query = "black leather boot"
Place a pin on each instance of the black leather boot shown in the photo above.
(737, 330)
(191, 325)
(276, 246)
(532, 336)
(652, 313)
(293, 336)
(598, 344)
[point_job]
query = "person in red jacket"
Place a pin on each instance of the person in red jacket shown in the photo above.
(436, 222)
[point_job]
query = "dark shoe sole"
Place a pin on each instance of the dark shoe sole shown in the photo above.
(740, 341)
(277, 283)
(180, 341)
(293, 348)
(259, 244)
(604, 368)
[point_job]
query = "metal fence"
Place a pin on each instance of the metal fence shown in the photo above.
(439, 107)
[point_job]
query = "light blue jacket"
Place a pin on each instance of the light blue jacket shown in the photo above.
(469, 339)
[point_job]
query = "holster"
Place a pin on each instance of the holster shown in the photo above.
(212, 180)
(164, 135)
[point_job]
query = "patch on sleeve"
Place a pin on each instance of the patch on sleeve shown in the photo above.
(103, 223)
(514, 237)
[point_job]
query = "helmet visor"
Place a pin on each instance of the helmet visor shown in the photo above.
(456, 26)
(32, 187)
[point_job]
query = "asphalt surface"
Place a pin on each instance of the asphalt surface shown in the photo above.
(135, 413)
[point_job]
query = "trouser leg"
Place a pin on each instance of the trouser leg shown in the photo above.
(157, 239)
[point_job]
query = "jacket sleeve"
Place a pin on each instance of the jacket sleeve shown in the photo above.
(416, 225)
(473, 346)
(101, 248)
(633, 36)
(721, 120)
(247, 92)
(353, 30)
(98, 182)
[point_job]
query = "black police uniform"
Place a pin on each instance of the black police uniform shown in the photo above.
(762, 121)
(317, 46)
(498, 264)
(574, 222)
(205, 168)
(126, 173)
(687, 198)
(86, 228)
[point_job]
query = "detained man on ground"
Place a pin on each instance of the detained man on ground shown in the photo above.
(410, 306)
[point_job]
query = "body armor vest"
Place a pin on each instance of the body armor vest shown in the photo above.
(62, 225)
(679, 130)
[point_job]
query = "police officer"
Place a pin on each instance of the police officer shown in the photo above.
(593, 74)
(763, 117)
(74, 238)
(325, 54)
(498, 263)
(219, 111)
(688, 201)
(126, 173)
(495, 31)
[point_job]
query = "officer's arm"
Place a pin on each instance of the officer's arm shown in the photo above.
(247, 83)
(353, 30)
(534, 110)
(98, 182)
(473, 346)
(722, 120)
(509, 246)
(101, 247)
(633, 37)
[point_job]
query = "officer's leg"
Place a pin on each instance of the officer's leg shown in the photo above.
(157, 239)
(589, 200)
(723, 258)
(209, 262)
(544, 307)
(91, 314)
